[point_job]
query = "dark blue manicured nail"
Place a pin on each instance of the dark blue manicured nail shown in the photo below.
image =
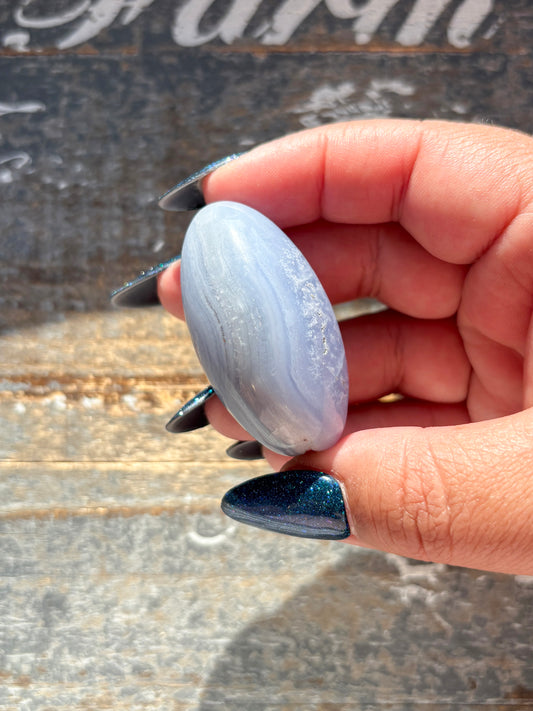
(192, 415)
(188, 195)
(246, 450)
(141, 291)
(307, 504)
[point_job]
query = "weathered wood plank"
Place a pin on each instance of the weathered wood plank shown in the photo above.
(84, 161)
(96, 618)
(100, 388)
(122, 586)
(92, 488)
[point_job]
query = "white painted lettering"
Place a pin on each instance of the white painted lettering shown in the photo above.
(420, 21)
(24, 19)
(370, 17)
(101, 15)
(87, 18)
(186, 27)
(466, 20)
(287, 19)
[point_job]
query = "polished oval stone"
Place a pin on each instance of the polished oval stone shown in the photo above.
(264, 329)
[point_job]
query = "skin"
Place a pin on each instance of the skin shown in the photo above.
(434, 219)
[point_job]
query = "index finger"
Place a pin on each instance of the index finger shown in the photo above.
(454, 187)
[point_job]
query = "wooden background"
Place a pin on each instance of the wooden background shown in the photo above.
(122, 586)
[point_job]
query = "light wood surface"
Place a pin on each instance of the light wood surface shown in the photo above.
(122, 586)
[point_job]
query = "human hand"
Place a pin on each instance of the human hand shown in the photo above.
(435, 220)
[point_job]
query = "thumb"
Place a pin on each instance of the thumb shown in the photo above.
(459, 495)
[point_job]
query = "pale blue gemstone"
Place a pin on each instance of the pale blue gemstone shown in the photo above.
(264, 329)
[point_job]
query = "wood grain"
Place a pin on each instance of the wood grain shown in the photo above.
(122, 586)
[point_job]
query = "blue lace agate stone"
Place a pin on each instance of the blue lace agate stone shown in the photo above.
(264, 329)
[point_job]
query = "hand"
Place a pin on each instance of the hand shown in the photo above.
(435, 220)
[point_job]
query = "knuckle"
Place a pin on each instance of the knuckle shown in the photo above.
(421, 522)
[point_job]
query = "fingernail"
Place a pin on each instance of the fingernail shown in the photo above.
(307, 504)
(187, 194)
(141, 291)
(191, 416)
(246, 450)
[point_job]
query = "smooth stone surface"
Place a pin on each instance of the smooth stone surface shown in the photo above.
(264, 329)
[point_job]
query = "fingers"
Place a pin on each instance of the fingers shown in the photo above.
(352, 261)
(388, 352)
(382, 261)
(405, 412)
(457, 495)
(169, 290)
(453, 187)
(460, 196)
(223, 422)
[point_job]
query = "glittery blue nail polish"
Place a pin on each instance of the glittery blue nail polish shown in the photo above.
(307, 504)
(141, 291)
(191, 416)
(187, 194)
(246, 450)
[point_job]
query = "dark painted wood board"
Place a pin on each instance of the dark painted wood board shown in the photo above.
(122, 586)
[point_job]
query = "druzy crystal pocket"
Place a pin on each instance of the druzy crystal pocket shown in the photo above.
(264, 329)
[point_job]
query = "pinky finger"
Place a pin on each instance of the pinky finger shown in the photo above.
(405, 413)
